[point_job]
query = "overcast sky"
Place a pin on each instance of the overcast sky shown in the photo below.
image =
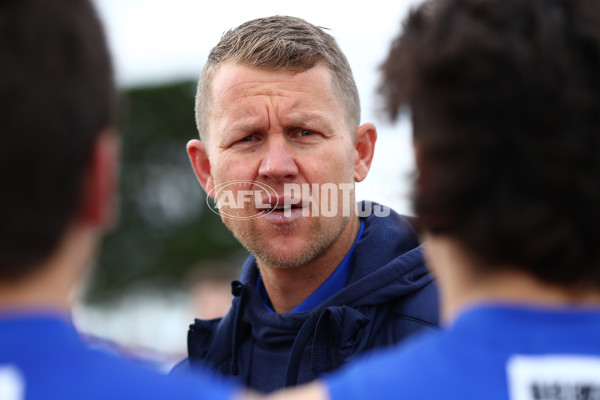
(155, 41)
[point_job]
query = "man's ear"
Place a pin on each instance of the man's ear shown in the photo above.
(364, 148)
(199, 158)
(100, 182)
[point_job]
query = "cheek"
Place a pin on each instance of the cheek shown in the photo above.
(228, 168)
(347, 164)
(349, 154)
(336, 166)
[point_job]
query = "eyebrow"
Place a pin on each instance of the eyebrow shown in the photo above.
(244, 125)
(247, 125)
(307, 118)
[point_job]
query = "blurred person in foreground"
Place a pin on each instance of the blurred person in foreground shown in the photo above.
(505, 103)
(278, 114)
(58, 163)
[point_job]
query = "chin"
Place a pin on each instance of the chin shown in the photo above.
(285, 261)
(292, 255)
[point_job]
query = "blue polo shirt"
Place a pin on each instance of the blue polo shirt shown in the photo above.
(42, 357)
(493, 351)
(333, 284)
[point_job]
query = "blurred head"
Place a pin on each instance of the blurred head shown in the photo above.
(504, 97)
(279, 43)
(56, 97)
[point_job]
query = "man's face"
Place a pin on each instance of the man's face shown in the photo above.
(274, 128)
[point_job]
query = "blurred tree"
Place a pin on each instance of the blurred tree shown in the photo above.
(165, 227)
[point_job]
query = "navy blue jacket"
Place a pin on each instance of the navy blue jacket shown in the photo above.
(388, 296)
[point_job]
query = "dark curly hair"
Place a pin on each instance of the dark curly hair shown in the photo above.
(504, 97)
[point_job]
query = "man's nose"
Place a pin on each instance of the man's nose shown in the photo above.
(278, 162)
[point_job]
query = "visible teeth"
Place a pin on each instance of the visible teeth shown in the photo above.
(282, 208)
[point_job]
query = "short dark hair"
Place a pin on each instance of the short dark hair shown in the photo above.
(56, 95)
(504, 97)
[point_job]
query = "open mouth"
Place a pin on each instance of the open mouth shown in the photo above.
(286, 208)
(282, 206)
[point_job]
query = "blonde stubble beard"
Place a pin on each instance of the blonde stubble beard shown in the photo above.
(319, 241)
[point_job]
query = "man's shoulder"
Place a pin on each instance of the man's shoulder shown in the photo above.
(399, 370)
(205, 337)
(384, 218)
(153, 384)
(428, 365)
(470, 360)
(421, 306)
(388, 267)
(81, 372)
(203, 330)
(387, 238)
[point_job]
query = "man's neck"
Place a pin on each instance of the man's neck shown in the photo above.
(41, 292)
(513, 286)
(289, 287)
(465, 283)
(49, 286)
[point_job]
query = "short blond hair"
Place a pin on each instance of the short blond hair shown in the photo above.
(279, 43)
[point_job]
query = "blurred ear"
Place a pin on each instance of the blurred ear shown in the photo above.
(100, 181)
(364, 146)
(199, 159)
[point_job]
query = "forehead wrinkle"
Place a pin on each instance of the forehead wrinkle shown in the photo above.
(303, 118)
(269, 114)
(268, 88)
(246, 119)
